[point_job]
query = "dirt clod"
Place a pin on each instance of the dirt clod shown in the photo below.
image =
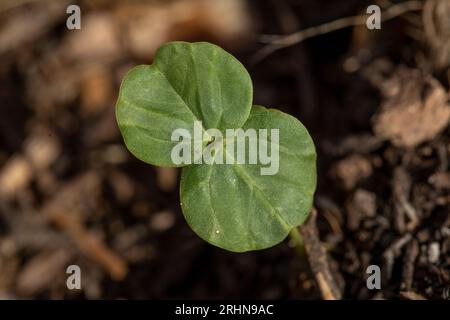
(414, 110)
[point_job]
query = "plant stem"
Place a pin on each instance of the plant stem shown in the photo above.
(296, 237)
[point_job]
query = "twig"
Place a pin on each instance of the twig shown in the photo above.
(318, 259)
(277, 42)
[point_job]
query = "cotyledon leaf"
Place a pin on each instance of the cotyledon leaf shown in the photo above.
(233, 206)
(236, 208)
(186, 82)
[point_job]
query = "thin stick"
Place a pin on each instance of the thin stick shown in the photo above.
(276, 42)
(318, 259)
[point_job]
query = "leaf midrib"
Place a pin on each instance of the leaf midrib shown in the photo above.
(251, 182)
(181, 98)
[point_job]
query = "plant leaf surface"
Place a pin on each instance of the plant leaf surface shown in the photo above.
(187, 82)
(235, 207)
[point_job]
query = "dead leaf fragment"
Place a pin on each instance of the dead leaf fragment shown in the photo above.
(415, 109)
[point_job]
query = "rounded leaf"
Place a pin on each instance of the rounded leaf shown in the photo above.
(187, 82)
(235, 207)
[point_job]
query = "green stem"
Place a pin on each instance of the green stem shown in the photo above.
(298, 240)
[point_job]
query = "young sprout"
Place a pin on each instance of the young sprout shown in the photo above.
(249, 173)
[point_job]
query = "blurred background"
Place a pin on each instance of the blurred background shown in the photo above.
(374, 101)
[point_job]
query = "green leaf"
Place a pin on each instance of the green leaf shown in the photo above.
(186, 82)
(235, 207)
(238, 207)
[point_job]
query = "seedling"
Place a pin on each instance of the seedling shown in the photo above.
(177, 113)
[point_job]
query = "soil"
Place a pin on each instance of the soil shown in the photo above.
(376, 103)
